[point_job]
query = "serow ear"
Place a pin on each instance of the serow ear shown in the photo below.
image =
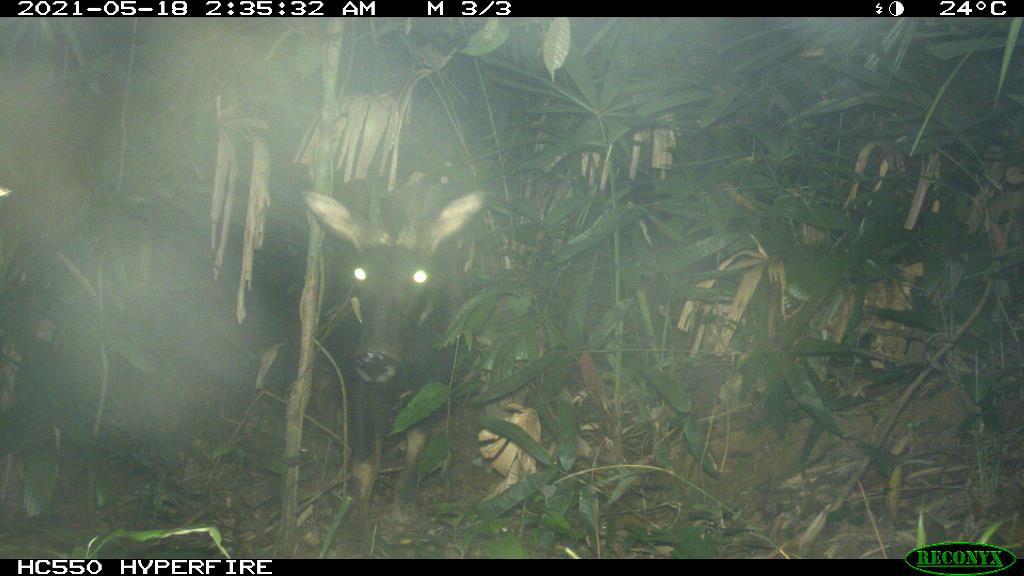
(342, 222)
(453, 218)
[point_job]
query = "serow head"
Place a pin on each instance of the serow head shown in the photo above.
(398, 281)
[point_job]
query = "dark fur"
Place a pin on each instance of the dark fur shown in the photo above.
(394, 349)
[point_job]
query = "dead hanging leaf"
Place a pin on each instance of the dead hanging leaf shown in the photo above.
(591, 166)
(266, 361)
(858, 169)
(378, 119)
(888, 161)
(507, 458)
(812, 235)
(929, 176)
(399, 112)
(645, 232)
(259, 200)
(891, 340)
(996, 205)
(591, 378)
(556, 45)
(226, 160)
(664, 144)
(720, 336)
(354, 137)
(356, 310)
(640, 138)
(745, 291)
(224, 178)
(688, 315)
(357, 108)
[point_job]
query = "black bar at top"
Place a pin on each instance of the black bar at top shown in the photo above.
(509, 8)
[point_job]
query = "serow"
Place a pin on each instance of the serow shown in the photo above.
(404, 287)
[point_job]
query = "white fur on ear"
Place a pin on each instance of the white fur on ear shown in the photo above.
(342, 222)
(454, 216)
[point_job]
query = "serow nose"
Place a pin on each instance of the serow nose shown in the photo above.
(375, 367)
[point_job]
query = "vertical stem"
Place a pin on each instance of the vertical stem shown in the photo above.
(298, 396)
(617, 277)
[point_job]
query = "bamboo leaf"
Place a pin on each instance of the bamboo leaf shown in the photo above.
(429, 398)
(519, 437)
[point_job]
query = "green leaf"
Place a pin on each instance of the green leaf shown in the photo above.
(696, 442)
(880, 459)
(1011, 42)
(516, 494)
(431, 397)
(522, 377)
(606, 224)
(692, 542)
(98, 543)
(813, 213)
(620, 69)
(955, 48)
(828, 106)
(519, 437)
(579, 72)
(921, 536)
(813, 435)
(987, 533)
(504, 548)
(625, 481)
(675, 99)
(433, 456)
(336, 523)
(41, 469)
(557, 522)
(775, 402)
(686, 256)
(611, 320)
(673, 392)
(586, 508)
(141, 360)
(472, 315)
(909, 318)
(568, 433)
(808, 397)
(577, 322)
(818, 347)
(487, 39)
(101, 483)
(645, 314)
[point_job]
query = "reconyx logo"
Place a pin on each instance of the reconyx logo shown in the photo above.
(960, 558)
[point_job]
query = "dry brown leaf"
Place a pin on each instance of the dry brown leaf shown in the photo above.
(506, 457)
(259, 200)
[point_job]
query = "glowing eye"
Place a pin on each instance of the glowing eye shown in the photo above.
(419, 277)
(360, 274)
